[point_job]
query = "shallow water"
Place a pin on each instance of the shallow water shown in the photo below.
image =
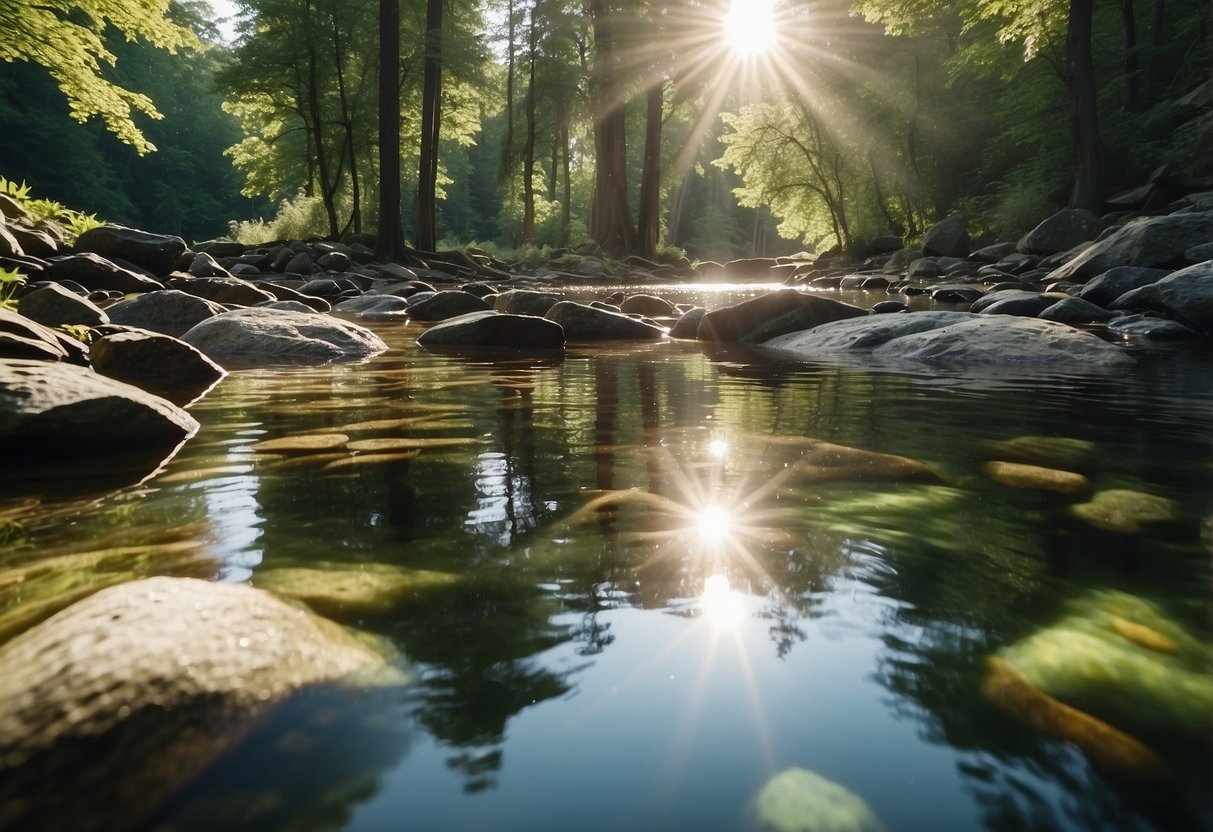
(734, 608)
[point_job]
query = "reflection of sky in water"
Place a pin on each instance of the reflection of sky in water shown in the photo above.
(504, 507)
(233, 512)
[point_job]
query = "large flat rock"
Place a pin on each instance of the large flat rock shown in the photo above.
(1160, 241)
(275, 334)
(958, 339)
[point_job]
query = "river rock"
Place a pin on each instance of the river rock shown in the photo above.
(317, 304)
(525, 302)
(221, 248)
(949, 238)
(648, 305)
(1154, 329)
(444, 305)
(225, 290)
(56, 410)
(1062, 232)
(1125, 511)
(1075, 311)
(798, 800)
(9, 247)
(33, 242)
(777, 313)
(95, 272)
(993, 253)
(123, 698)
(23, 338)
(687, 327)
(1017, 475)
(351, 591)
(585, 323)
(137, 356)
(1013, 302)
(204, 265)
(1104, 289)
(1155, 242)
(158, 253)
(170, 312)
(54, 305)
(957, 294)
(926, 268)
(1185, 295)
(1048, 451)
(889, 307)
(300, 263)
(290, 336)
(953, 339)
(494, 329)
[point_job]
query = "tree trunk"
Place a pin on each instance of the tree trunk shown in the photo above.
(313, 100)
(554, 179)
(528, 172)
(1156, 24)
(389, 242)
(431, 129)
(566, 206)
(611, 217)
(1084, 113)
(1132, 70)
(648, 232)
(347, 121)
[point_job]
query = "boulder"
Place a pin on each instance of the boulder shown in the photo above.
(335, 261)
(924, 268)
(21, 337)
(496, 330)
(1014, 302)
(1046, 451)
(346, 591)
(121, 699)
(956, 294)
(585, 323)
(798, 800)
(993, 253)
(1125, 511)
(1104, 289)
(687, 327)
(1036, 478)
(949, 238)
(1185, 295)
(225, 290)
(887, 244)
(1062, 232)
(760, 319)
(648, 305)
(158, 253)
(1075, 311)
(9, 247)
(330, 288)
(138, 356)
(272, 334)
(54, 305)
(33, 242)
(204, 265)
(95, 272)
(1154, 329)
(525, 302)
(54, 411)
(1155, 242)
(375, 307)
(751, 268)
(953, 339)
(444, 305)
(287, 293)
(170, 312)
(221, 248)
(300, 263)
(889, 307)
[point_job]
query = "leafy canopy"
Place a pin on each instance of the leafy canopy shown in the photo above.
(66, 38)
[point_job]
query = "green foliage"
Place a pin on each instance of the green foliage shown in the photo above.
(41, 211)
(17, 192)
(67, 39)
(11, 282)
(298, 218)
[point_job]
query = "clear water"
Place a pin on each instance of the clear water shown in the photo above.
(652, 665)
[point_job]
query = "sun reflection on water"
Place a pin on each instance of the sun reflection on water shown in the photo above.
(721, 606)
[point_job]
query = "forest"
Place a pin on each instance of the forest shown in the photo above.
(648, 128)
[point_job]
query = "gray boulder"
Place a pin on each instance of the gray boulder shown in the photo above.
(54, 305)
(123, 698)
(300, 263)
(33, 242)
(335, 261)
(23, 338)
(204, 265)
(956, 294)
(953, 339)
(994, 253)
(497, 330)
(170, 312)
(445, 305)
(1154, 329)
(9, 247)
(272, 334)
(1185, 295)
(1014, 302)
(221, 248)
(94, 272)
(1107, 287)
(1062, 232)
(649, 305)
(585, 323)
(949, 238)
(226, 290)
(687, 327)
(287, 293)
(1075, 311)
(1156, 242)
(762, 318)
(924, 269)
(525, 302)
(158, 253)
(56, 410)
(137, 356)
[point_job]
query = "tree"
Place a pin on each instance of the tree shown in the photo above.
(431, 129)
(1084, 110)
(611, 218)
(389, 242)
(67, 40)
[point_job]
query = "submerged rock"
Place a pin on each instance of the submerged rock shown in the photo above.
(1048, 451)
(798, 800)
(275, 334)
(124, 697)
(1124, 511)
(352, 590)
(1017, 475)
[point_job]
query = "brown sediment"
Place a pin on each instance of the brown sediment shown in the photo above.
(1142, 636)
(1113, 752)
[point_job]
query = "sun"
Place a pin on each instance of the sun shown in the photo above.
(749, 27)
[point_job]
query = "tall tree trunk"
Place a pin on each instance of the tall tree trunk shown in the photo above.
(611, 218)
(1132, 69)
(553, 179)
(566, 205)
(506, 173)
(1157, 18)
(648, 232)
(431, 129)
(347, 121)
(528, 172)
(313, 100)
(1084, 113)
(389, 242)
